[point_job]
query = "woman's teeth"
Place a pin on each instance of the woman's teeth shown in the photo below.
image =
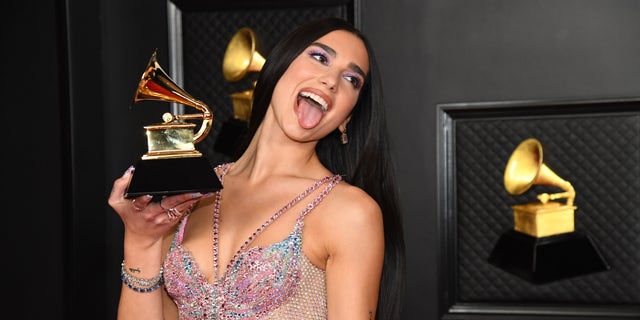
(315, 98)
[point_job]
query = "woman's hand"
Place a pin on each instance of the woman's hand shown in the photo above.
(148, 221)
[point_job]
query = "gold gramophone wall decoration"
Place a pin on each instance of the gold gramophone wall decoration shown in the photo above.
(172, 164)
(543, 245)
(547, 217)
(241, 58)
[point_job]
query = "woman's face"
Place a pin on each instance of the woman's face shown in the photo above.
(317, 92)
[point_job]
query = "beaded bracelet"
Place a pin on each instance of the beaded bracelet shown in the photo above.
(141, 284)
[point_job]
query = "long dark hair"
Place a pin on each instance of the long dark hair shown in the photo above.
(365, 160)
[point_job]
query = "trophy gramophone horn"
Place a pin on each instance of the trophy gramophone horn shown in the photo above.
(241, 56)
(155, 84)
(525, 169)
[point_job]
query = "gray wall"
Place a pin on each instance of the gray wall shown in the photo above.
(434, 52)
(71, 93)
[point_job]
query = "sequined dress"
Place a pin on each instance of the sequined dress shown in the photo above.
(276, 281)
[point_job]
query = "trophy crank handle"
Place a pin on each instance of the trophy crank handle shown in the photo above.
(545, 197)
(168, 117)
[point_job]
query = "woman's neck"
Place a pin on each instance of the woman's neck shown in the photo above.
(266, 157)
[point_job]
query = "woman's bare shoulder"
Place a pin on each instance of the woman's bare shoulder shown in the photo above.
(350, 195)
(351, 228)
(350, 207)
(348, 223)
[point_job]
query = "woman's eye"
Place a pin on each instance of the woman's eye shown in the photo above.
(355, 81)
(319, 56)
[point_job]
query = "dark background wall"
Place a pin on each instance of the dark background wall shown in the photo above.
(69, 69)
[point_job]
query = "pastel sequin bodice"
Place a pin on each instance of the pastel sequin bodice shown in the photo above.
(276, 281)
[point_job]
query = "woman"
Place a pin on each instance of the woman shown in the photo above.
(307, 225)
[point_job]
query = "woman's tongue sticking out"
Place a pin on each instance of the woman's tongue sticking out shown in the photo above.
(310, 112)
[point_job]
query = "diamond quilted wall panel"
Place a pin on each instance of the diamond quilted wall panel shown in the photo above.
(593, 145)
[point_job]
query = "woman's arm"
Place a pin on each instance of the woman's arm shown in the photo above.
(145, 225)
(356, 251)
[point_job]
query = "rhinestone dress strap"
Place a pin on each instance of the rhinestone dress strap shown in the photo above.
(333, 180)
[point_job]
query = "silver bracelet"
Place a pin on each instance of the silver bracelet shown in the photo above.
(141, 284)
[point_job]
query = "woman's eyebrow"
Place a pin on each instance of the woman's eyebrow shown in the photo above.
(357, 69)
(333, 53)
(325, 48)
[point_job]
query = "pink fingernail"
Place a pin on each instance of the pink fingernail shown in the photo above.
(200, 194)
(128, 171)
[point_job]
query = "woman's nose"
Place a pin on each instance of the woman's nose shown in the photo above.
(329, 81)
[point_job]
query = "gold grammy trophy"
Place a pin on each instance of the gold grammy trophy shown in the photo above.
(240, 58)
(172, 165)
(543, 245)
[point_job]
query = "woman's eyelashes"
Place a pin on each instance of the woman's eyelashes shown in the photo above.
(324, 59)
(320, 56)
(355, 80)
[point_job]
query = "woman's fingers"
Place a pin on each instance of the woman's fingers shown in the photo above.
(119, 186)
(184, 199)
(180, 205)
(141, 203)
(144, 208)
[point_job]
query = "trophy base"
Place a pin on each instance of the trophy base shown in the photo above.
(163, 177)
(547, 259)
